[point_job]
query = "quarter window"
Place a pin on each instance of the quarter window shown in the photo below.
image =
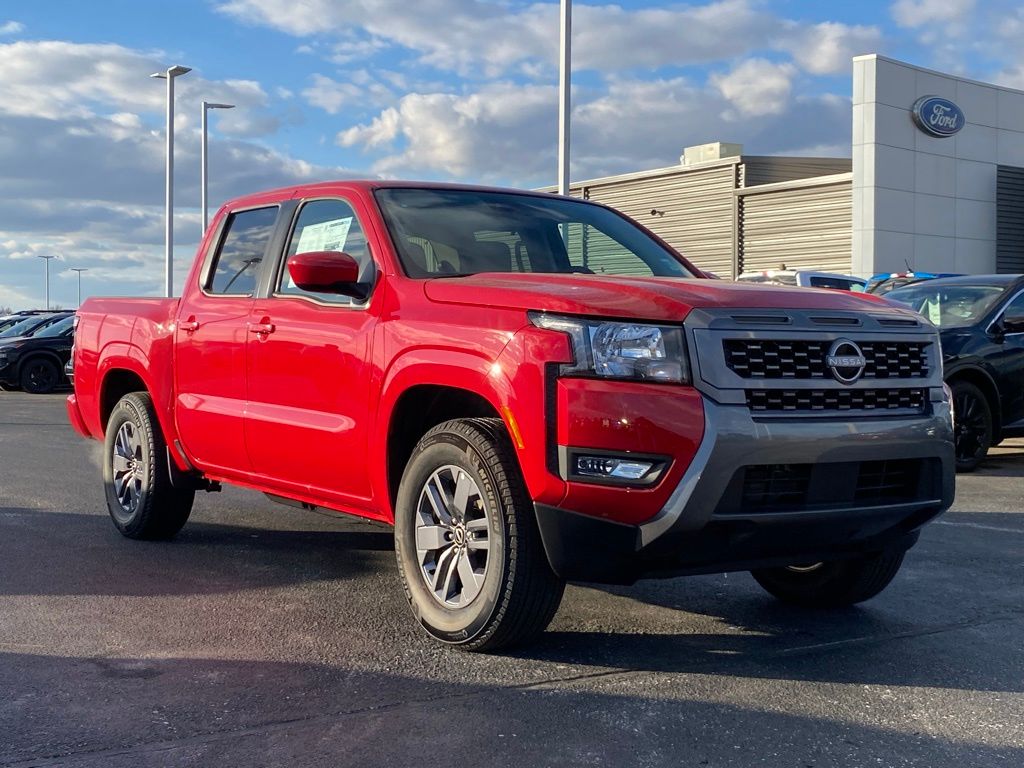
(237, 264)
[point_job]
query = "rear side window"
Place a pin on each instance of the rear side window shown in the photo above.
(237, 263)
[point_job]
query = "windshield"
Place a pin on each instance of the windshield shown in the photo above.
(57, 329)
(442, 232)
(948, 306)
(21, 328)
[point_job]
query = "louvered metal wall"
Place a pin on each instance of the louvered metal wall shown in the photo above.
(1009, 219)
(805, 224)
(695, 209)
(766, 169)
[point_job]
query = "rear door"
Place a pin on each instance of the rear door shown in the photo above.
(210, 339)
(309, 371)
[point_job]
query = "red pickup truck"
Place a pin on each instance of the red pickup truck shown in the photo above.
(531, 389)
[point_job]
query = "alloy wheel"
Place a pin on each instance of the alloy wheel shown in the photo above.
(128, 472)
(971, 425)
(452, 536)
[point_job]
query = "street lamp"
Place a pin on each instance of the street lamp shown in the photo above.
(204, 171)
(169, 75)
(79, 270)
(47, 258)
(564, 96)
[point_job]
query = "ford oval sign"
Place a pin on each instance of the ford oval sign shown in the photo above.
(937, 116)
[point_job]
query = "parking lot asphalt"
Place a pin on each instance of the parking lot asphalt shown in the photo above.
(270, 636)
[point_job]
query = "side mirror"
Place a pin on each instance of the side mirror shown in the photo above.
(1013, 324)
(328, 272)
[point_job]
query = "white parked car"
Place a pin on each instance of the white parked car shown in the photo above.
(805, 278)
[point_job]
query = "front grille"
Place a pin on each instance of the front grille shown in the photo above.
(829, 400)
(768, 488)
(805, 359)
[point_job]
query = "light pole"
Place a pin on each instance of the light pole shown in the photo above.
(204, 172)
(79, 270)
(564, 97)
(47, 258)
(169, 75)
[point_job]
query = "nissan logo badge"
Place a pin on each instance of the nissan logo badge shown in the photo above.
(846, 361)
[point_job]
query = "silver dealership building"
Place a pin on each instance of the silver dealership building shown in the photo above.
(935, 181)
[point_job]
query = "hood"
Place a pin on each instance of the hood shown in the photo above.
(641, 298)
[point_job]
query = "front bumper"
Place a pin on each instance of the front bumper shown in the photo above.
(725, 514)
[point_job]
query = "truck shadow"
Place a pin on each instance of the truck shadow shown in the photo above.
(86, 556)
(205, 711)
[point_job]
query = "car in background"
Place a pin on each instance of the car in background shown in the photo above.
(981, 326)
(805, 278)
(29, 324)
(884, 282)
(36, 363)
(16, 317)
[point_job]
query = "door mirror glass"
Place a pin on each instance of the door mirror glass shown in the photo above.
(327, 272)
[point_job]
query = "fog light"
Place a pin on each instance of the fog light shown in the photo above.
(605, 466)
(614, 469)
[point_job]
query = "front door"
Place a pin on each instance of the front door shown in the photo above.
(210, 345)
(309, 373)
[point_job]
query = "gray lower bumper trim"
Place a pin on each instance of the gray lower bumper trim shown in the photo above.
(732, 439)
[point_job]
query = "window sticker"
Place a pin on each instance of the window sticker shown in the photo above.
(327, 236)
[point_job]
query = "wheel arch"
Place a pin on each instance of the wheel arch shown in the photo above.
(418, 409)
(983, 381)
(35, 354)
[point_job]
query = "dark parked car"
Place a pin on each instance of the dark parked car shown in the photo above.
(884, 282)
(981, 323)
(26, 324)
(36, 363)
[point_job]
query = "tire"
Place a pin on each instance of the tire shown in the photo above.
(973, 425)
(140, 498)
(832, 584)
(476, 594)
(39, 376)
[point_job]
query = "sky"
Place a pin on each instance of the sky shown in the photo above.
(453, 90)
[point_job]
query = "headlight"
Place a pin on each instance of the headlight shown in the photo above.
(617, 350)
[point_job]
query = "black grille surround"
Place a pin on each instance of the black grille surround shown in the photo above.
(769, 359)
(835, 400)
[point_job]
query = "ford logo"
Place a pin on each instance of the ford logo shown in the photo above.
(846, 361)
(937, 116)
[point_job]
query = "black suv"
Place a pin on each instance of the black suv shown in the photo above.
(35, 362)
(981, 323)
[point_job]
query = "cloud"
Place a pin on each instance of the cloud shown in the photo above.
(505, 132)
(755, 88)
(828, 47)
(11, 28)
(82, 158)
(919, 13)
(495, 39)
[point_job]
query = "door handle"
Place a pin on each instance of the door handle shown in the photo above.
(261, 329)
(190, 325)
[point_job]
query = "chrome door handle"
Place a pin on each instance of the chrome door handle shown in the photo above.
(190, 325)
(261, 328)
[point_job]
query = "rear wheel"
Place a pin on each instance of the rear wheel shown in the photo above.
(467, 543)
(140, 497)
(832, 584)
(39, 376)
(972, 429)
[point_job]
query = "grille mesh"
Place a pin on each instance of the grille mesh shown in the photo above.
(805, 359)
(825, 400)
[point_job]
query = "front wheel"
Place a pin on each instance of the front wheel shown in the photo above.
(140, 497)
(832, 584)
(972, 430)
(469, 552)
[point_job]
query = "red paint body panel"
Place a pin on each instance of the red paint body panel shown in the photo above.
(295, 397)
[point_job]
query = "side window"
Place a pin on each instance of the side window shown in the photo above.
(1015, 308)
(324, 225)
(236, 266)
(593, 252)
